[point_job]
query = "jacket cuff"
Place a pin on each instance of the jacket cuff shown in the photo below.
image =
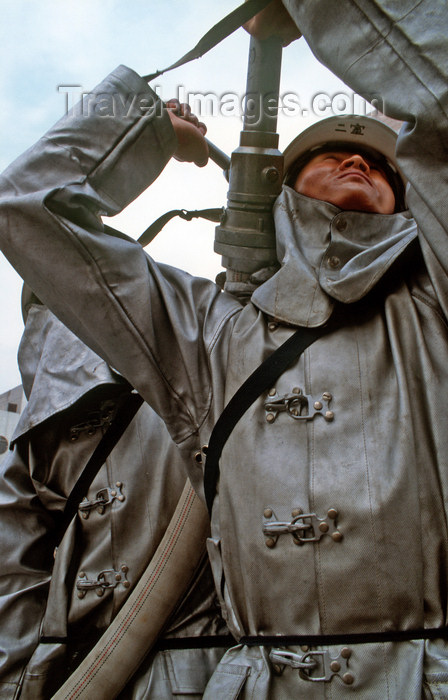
(134, 137)
(115, 141)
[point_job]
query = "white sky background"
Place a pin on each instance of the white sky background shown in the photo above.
(59, 42)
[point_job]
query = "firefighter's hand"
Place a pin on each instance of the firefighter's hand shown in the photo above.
(191, 144)
(274, 20)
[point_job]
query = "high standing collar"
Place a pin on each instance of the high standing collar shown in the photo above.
(327, 254)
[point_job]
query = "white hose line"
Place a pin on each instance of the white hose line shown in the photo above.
(117, 655)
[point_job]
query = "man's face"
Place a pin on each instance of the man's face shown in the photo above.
(348, 180)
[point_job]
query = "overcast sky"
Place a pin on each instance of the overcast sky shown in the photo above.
(53, 43)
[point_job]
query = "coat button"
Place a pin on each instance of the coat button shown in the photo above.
(341, 224)
(333, 262)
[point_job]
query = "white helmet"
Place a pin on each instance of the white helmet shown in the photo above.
(366, 133)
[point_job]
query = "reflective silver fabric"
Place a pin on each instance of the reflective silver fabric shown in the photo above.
(120, 522)
(362, 464)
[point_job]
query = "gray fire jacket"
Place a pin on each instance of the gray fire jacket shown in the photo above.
(70, 600)
(362, 466)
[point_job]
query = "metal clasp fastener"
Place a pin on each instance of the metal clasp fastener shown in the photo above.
(95, 420)
(298, 405)
(103, 498)
(109, 578)
(320, 662)
(304, 527)
(289, 658)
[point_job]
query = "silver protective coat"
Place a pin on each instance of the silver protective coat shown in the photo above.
(48, 621)
(372, 462)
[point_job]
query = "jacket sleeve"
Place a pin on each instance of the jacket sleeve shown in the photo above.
(395, 53)
(146, 323)
(26, 553)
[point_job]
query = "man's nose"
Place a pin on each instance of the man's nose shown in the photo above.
(355, 161)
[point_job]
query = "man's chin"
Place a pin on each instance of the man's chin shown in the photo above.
(355, 202)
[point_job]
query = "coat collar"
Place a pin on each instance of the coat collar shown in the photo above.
(327, 255)
(57, 369)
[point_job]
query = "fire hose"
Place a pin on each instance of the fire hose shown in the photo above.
(121, 649)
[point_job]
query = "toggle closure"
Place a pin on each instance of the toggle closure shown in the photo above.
(109, 578)
(289, 658)
(298, 405)
(103, 498)
(95, 420)
(304, 527)
(316, 666)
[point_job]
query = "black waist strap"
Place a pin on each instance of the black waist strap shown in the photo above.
(203, 642)
(313, 640)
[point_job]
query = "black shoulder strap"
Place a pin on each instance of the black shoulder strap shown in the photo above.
(259, 381)
(151, 232)
(107, 443)
(217, 33)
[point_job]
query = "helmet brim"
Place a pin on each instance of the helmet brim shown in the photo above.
(365, 133)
